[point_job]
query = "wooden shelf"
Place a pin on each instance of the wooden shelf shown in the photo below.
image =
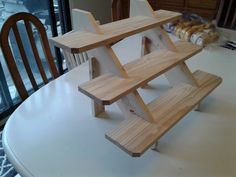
(80, 41)
(140, 72)
(139, 23)
(182, 98)
(108, 88)
(158, 62)
(136, 135)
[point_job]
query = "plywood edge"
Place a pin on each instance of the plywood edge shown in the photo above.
(80, 41)
(108, 88)
(107, 94)
(174, 15)
(159, 57)
(71, 43)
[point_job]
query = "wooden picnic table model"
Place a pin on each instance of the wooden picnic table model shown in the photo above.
(112, 82)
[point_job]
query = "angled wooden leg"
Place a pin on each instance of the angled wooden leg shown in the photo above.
(146, 42)
(160, 39)
(134, 104)
(107, 62)
(181, 72)
(94, 72)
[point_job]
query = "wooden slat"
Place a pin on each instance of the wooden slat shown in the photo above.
(24, 56)
(35, 51)
(158, 62)
(139, 23)
(167, 14)
(177, 102)
(134, 135)
(80, 41)
(140, 71)
(47, 50)
(158, 36)
(108, 88)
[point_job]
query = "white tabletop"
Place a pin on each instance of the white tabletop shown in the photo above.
(53, 134)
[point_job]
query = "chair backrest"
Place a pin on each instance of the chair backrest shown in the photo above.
(119, 9)
(73, 60)
(11, 28)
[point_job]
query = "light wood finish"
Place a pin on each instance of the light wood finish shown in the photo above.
(80, 41)
(108, 88)
(94, 72)
(140, 72)
(158, 62)
(180, 73)
(145, 49)
(159, 40)
(28, 20)
(144, 123)
(177, 102)
(120, 9)
(108, 62)
(83, 20)
(73, 60)
(134, 135)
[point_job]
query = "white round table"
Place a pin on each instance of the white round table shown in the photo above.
(53, 134)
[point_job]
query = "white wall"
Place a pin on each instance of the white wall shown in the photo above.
(101, 9)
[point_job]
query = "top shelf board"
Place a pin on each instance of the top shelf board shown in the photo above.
(80, 41)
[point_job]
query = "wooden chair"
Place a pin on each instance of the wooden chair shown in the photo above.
(73, 60)
(119, 9)
(29, 22)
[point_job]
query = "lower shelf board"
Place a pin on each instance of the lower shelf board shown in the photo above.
(135, 135)
(177, 102)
